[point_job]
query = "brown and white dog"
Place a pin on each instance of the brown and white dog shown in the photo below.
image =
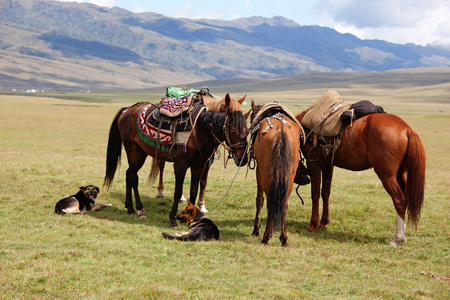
(81, 202)
(200, 229)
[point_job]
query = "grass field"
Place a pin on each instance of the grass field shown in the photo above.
(49, 147)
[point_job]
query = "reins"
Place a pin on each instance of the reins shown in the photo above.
(229, 187)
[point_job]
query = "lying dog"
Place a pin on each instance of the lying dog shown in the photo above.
(81, 202)
(200, 229)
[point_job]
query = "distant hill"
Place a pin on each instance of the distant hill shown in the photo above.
(61, 45)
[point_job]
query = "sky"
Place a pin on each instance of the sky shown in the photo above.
(420, 22)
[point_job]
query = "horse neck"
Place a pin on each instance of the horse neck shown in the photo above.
(209, 130)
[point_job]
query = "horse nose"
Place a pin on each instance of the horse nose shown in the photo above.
(241, 161)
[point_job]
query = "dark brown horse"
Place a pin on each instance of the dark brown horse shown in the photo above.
(211, 129)
(385, 143)
(276, 149)
(158, 169)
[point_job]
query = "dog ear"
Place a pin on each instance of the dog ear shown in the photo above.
(191, 211)
(97, 189)
(83, 188)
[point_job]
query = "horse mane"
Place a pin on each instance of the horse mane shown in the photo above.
(215, 120)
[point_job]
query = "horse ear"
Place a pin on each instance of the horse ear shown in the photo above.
(253, 105)
(247, 114)
(227, 100)
(242, 99)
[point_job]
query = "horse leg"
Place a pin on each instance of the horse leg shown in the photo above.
(201, 196)
(180, 172)
(398, 198)
(135, 162)
(196, 174)
(327, 176)
(315, 174)
(259, 204)
(161, 164)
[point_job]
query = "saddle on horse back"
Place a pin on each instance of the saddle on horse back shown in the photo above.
(170, 122)
(328, 117)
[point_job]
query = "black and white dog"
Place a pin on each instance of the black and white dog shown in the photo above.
(81, 202)
(200, 229)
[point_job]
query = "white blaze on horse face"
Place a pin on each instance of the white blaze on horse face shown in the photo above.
(400, 233)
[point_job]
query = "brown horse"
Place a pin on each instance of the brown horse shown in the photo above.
(385, 143)
(276, 149)
(211, 129)
(213, 104)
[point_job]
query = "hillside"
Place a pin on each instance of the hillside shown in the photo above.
(61, 45)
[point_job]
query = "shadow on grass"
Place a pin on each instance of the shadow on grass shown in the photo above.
(158, 209)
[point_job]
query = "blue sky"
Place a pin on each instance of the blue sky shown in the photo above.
(399, 21)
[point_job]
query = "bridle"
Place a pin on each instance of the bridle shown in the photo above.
(228, 143)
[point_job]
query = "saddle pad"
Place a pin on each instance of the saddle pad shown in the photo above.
(147, 127)
(172, 106)
(149, 133)
(323, 115)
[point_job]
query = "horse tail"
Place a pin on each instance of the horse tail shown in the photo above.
(279, 170)
(114, 150)
(154, 170)
(415, 183)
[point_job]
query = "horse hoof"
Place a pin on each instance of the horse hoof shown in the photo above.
(323, 226)
(311, 228)
(255, 232)
(173, 226)
(397, 241)
(142, 214)
(393, 243)
(203, 209)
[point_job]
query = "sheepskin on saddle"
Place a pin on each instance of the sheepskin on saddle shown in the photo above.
(323, 116)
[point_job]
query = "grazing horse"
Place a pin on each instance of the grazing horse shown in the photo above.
(276, 149)
(211, 129)
(385, 143)
(213, 104)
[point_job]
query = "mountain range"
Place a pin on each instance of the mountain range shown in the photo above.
(48, 44)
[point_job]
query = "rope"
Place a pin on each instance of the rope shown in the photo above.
(229, 187)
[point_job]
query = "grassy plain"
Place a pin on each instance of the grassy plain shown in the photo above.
(49, 147)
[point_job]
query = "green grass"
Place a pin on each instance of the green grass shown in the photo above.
(50, 147)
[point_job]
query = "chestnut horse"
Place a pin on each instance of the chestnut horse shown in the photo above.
(276, 149)
(385, 143)
(211, 129)
(212, 104)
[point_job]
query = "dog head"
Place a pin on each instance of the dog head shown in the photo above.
(90, 191)
(189, 214)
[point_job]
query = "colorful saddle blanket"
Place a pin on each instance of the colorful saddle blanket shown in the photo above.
(173, 107)
(163, 132)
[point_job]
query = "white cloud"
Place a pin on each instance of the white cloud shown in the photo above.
(399, 21)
